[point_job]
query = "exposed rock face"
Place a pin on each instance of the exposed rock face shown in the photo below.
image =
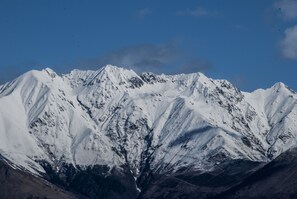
(113, 133)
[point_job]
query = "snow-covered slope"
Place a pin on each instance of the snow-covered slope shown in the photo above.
(116, 117)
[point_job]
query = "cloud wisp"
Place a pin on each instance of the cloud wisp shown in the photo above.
(166, 58)
(288, 12)
(138, 57)
(144, 12)
(198, 12)
(149, 57)
(287, 8)
(289, 43)
(195, 65)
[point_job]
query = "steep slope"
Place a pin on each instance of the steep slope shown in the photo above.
(42, 120)
(277, 179)
(139, 126)
(200, 184)
(279, 106)
(15, 184)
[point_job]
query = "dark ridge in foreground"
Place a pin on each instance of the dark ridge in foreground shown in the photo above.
(277, 179)
(16, 184)
(94, 182)
(232, 179)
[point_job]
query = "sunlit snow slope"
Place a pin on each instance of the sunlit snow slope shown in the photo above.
(114, 116)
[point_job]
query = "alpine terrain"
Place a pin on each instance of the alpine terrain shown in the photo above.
(113, 133)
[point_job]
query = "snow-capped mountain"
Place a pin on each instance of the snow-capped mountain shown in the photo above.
(161, 123)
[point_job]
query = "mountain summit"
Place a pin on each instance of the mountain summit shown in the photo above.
(139, 125)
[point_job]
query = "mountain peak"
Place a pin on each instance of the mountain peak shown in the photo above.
(111, 69)
(50, 72)
(112, 73)
(281, 87)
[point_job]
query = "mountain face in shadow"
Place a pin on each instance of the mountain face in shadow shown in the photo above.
(15, 183)
(113, 133)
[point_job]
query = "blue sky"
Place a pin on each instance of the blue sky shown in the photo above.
(250, 43)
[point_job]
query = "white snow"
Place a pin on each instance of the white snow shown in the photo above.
(106, 117)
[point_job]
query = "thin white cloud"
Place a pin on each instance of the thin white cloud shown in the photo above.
(289, 43)
(142, 57)
(195, 65)
(198, 12)
(149, 57)
(144, 12)
(287, 8)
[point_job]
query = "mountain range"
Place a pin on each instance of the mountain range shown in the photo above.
(113, 133)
